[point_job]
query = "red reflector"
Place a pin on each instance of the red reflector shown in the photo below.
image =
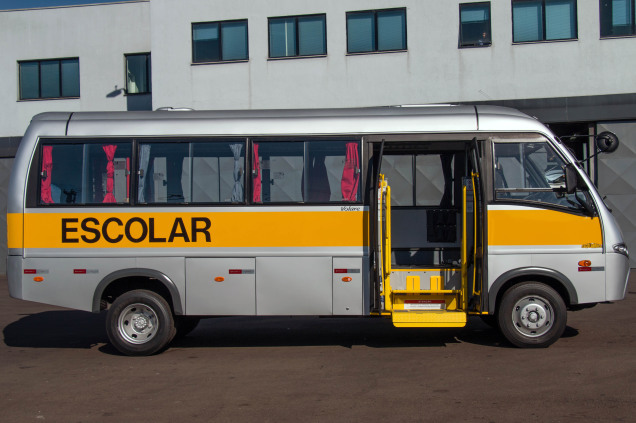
(236, 271)
(585, 269)
(339, 270)
(79, 271)
(29, 271)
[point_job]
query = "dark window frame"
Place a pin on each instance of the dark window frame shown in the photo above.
(471, 45)
(148, 73)
(296, 55)
(543, 23)
(375, 18)
(523, 201)
(303, 140)
(60, 86)
(602, 24)
(220, 26)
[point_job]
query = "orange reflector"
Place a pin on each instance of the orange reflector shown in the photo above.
(585, 263)
(38, 279)
(346, 279)
(219, 279)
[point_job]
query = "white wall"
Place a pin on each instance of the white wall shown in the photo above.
(433, 70)
(98, 35)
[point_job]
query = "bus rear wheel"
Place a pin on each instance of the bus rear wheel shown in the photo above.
(532, 315)
(140, 322)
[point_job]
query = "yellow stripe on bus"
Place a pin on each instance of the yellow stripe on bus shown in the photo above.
(14, 230)
(542, 227)
(193, 229)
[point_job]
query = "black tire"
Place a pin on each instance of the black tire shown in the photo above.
(532, 315)
(140, 322)
(185, 325)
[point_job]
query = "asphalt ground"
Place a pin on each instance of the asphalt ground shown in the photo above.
(56, 366)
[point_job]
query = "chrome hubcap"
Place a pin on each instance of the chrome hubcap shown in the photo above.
(138, 323)
(532, 316)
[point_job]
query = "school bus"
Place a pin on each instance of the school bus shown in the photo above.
(421, 215)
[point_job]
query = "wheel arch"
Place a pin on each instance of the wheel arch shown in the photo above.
(138, 278)
(556, 280)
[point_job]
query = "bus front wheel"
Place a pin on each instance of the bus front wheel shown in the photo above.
(532, 315)
(140, 322)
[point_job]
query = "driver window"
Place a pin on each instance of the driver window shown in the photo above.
(531, 172)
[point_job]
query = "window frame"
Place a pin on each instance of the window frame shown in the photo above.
(543, 23)
(464, 45)
(601, 24)
(148, 73)
(60, 79)
(375, 34)
(522, 201)
(304, 141)
(297, 54)
(190, 141)
(220, 27)
(34, 181)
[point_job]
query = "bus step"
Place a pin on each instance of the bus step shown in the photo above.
(429, 319)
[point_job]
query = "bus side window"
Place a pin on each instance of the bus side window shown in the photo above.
(85, 173)
(313, 172)
(532, 172)
(191, 172)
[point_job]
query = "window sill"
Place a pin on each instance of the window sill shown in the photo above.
(21, 100)
(314, 56)
(469, 46)
(220, 62)
(362, 53)
(127, 94)
(565, 40)
(614, 37)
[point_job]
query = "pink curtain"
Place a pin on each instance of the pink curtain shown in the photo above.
(110, 173)
(47, 168)
(350, 174)
(256, 175)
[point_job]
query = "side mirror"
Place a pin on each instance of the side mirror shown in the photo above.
(572, 179)
(607, 142)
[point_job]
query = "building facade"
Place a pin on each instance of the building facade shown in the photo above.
(568, 62)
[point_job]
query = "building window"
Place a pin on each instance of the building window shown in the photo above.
(618, 18)
(58, 78)
(474, 28)
(219, 41)
(138, 73)
(376, 30)
(543, 20)
(297, 36)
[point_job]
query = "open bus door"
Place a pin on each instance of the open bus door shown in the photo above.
(443, 282)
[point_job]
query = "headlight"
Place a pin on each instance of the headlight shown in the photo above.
(621, 249)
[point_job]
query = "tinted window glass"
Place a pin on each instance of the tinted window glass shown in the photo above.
(306, 171)
(198, 172)
(85, 173)
(540, 20)
(474, 24)
(49, 79)
(376, 30)
(219, 41)
(618, 18)
(532, 172)
(138, 73)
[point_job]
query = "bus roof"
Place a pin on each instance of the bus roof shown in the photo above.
(374, 120)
